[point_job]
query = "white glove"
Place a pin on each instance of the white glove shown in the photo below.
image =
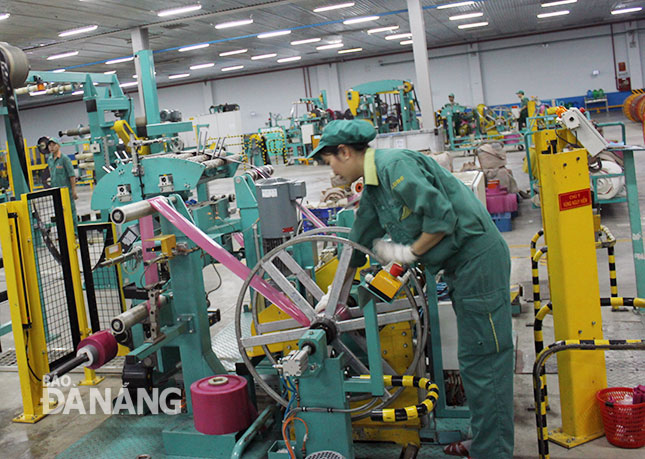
(390, 252)
(322, 304)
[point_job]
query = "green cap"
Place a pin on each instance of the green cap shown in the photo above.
(54, 140)
(520, 92)
(451, 95)
(344, 132)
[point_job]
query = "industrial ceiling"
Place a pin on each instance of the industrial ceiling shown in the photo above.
(36, 27)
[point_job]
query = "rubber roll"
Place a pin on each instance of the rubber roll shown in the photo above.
(105, 345)
(221, 405)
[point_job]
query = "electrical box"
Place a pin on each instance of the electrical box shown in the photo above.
(113, 251)
(163, 244)
(277, 206)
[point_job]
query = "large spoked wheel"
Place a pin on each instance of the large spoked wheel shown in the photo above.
(280, 268)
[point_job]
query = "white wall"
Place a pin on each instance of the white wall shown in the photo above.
(548, 66)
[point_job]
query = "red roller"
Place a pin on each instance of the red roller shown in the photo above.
(634, 109)
(221, 405)
(102, 346)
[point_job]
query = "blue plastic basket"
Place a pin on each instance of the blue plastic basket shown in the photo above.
(324, 214)
(503, 221)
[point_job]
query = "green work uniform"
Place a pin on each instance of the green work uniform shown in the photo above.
(61, 171)
(407, 193)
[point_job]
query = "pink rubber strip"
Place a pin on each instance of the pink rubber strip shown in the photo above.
(311, 216)
(239, 238)
(223, 256)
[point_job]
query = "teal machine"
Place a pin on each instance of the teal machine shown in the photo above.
(390, 105)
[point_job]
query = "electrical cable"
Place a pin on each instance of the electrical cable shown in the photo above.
(285, 437)
(219, 283)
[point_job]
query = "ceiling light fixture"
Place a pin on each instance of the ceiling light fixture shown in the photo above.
(4, 16)
(331, 46)
(263, 56)
(231, 53)
(85, 29)
(128, 84)
(235, 67)
(289, 59)
(338, 6)
(627, 10)
(474, 24)
(398, 36)
(193, 47)
(202, 66)
(359, 20)
(178, 75)
(552, 14)
(62, 55)
(383, 29)
(406, 42)
(110, 72)
(466, 16)
(454, 5)
(303, 42)
(241, 22)
(277, 33)
(181, 10)
(558, 3)
(120, 60)
(351, 50)
(58, 71)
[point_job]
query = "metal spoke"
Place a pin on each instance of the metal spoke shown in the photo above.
(289, 290)
(301, 274)
(339, 281)
(383, 319)
(396, 305)
(362, 343)
(277, 325)
(273, 338)
(354, 362)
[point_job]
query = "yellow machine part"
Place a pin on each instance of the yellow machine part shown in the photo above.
(407, 86)
(124, 131)
(164, 244)
(386, 284)
(272, 314)
(353, 100)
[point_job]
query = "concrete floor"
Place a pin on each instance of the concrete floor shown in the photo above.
(57, 432)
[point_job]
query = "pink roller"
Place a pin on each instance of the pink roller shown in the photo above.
(105, 345)
(221, 405)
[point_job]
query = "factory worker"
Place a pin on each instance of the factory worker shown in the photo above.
(62, 173)
(451, 99)
(435, 220)
(524, 109)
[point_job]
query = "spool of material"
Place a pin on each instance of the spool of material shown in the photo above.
(102, 346)
(221, 405)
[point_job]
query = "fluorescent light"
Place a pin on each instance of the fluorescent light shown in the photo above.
(263, 56)
(4, 16)
(383, 29)
(128, 84)
(553, 13)
(178, 75)
(62, 55)
(359, 20)
(454, 5)
(351, 50)
(85, 29)
(290, 59)
(474, 24)
(398, 36)
(302, 42)
(135, 76)
(241, 22)
(331, 46)
(183, 9)
(58, 71)
(277, 33)
(405, 42)
(333, 7)
(466, 16)
(110, 72)
(331, 42)
(235, 67)
(627, 10)
(231, 53)
(38, 93)
(120, 60)
(558, 3)
(192, 47)
(78, 93)
(202, 66)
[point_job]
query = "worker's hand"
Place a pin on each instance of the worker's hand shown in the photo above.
(74, 195)
(322, 304)
(389, 252)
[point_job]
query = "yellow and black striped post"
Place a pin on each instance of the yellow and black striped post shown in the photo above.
(538, 337)
(539, 384)
(536, 278)
(617, 302)
(408, 412)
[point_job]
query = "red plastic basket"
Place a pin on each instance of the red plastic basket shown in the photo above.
(624, 424)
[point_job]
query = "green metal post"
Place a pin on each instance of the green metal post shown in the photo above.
(635, 220)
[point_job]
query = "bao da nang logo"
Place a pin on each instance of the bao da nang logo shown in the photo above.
(61, 396)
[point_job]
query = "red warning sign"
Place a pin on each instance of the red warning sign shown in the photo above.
(574, 199)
